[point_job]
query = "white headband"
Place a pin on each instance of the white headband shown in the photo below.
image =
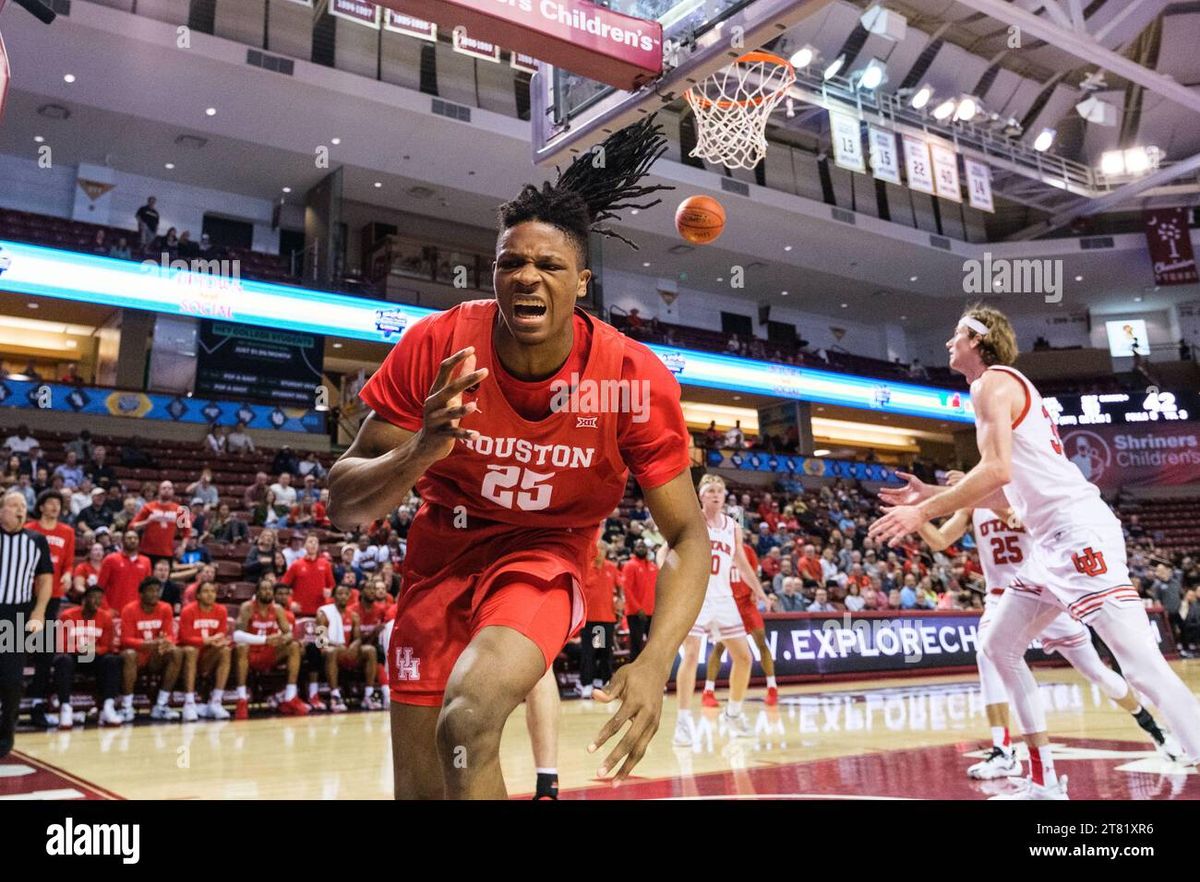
(975, 325)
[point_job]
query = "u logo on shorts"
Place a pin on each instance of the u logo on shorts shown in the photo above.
(1090, 563)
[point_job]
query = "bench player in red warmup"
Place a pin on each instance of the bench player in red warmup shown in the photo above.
(263, 641)
(515, 484)
(204, 638)
(1077, 556)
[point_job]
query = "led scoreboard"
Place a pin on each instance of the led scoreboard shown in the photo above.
(1121, 408)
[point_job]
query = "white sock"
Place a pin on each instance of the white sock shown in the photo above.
(189, 698)
(686, 714)
(163, 697)
(597, 684)
(216, 696)
(108, 704)
(312, 690)
(1048, 776)
(127, 702)
(335, 692)
(733, 707)
(547, 771)
(289, 692)
(998, 737)
(241, 693)
(710, 685)
(771, 684)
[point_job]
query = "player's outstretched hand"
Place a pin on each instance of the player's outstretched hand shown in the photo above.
(444, 406)
(914, 490)
(897, 523)
(640, 691)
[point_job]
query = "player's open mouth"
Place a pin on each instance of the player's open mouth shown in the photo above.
(528, 308)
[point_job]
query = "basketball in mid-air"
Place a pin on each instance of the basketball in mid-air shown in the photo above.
(700, 219)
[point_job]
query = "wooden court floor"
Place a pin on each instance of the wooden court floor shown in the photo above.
(908, 738)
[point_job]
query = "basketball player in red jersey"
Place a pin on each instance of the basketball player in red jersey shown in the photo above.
(263, 641)
(61, 539)
(1003, 546)
(204, 638)
(345, 650)
(746, 596)
(1078, 559)
(516, 478)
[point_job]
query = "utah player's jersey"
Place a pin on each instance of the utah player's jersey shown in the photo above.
(1048, 491)
(1002, 549)
(564, 472)
(721, 539)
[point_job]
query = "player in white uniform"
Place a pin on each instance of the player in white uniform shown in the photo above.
(1077, 554)
(1003, 546)
(719, 617)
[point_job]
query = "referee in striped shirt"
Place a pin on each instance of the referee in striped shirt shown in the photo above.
(26, 583)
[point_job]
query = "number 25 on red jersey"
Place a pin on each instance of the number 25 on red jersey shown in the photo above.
(532, 495)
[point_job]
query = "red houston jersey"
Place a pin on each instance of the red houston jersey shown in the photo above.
(264, 622)
(84, 633)
(62, 551)
(309, 581)
(612, 404)
(196, 624)
(370, 615)
(138, 626)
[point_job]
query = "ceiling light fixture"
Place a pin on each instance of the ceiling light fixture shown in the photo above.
(1043, 141)
(836, 65)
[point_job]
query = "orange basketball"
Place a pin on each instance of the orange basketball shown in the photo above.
(700, 219)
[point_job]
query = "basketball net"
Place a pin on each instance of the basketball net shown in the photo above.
(733, 105)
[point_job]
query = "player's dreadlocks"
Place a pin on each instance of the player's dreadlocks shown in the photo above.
(596, 185)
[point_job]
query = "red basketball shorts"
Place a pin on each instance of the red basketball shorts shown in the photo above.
(460, 581)
(752, 619)
(263, 658)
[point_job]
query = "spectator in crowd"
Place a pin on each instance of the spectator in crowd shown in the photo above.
(121, 250)
(734, 346)
(917, 371)
(170, 591)
(21, 441)
(129, 510)
(346, 564)
(712, 436)
(96, 515)
(285, 493)
(147, 221)
(70, 471)
(285, 461)
(309, 492)
(148, 643)
(908, 594)
(24, 486)
(133, 456)
(256, 494)
(1185, 351)
(224, 527)
(312, 466)
(204, 490)
(81, 446)
(99, 470)
(295, 548)
(260, 559)
(238, 442)
(308, 514)
(735, 439)
(821, 602)
(12, 470)
(390, 578)
(895, 601)
(214, 441)
(1167, 589)
(169, 244)
(1190, 615)
(34, 462)
(368, 557)
(188, 250)
(161, 522)
(790, 597)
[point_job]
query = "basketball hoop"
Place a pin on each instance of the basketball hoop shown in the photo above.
(733, 105)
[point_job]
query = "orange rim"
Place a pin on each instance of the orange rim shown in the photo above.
(695, 97)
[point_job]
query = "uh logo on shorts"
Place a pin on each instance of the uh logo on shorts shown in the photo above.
(1090, 563)
(407, 667)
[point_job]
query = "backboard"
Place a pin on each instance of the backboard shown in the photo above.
(570, 113)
